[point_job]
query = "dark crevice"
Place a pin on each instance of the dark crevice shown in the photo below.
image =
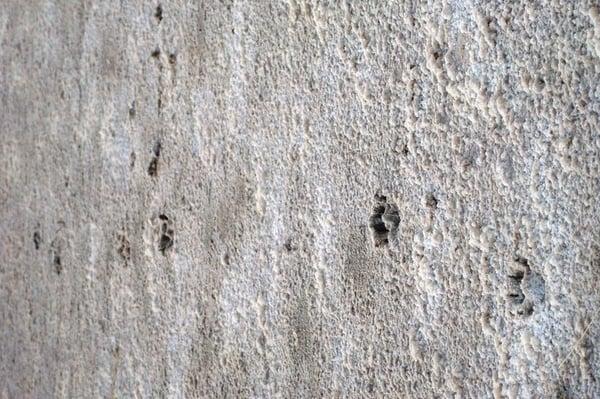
(431, 201)
(517, 275)
(165, 242)
(525, 288)
(384, 221)
(289, 247)
(153, 167)
(522, 261)
(56, 260)
(158, 14)
(37, 239)
(167, 234)
(124, 249)
(377, 223)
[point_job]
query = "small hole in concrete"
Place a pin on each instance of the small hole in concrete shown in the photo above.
(166, 241)
(158, 14)
(431, 201)
(124, 249)
(153, 167)
(56, 261)
(384, 221)
(37, 239)
(288, 245)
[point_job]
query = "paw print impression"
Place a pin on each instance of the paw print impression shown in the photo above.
(384, 221)
(525, 288)
(166, 234)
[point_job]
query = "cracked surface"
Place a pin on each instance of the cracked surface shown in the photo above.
(299, 199)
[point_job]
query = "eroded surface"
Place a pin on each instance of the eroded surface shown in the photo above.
(299, 199)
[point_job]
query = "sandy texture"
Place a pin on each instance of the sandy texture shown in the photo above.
(305, 199)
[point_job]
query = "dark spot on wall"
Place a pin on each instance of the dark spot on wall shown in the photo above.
(153, 167)
(226, 259)
(132, 159)
(514, 290)
(158, 14)
(376, 221)
(172, 58)
(37, 239)
(383, 221)
(526, 310)
(56, 259)
(288, 245)
(540, 83)
(165, 241)
(155, 53)
(124, 249)
(523, 262)
(431, 201)
(371, 386)
(525, 288)
(132, 110)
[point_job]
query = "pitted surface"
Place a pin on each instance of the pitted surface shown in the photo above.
(299, 199)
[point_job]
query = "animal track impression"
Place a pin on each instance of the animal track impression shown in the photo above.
(384, 221)
(124, 248)
(167, 233)
(37, 239)
(525, 288)
(55, 251)
(153, 167)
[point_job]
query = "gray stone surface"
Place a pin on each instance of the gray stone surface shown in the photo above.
(304, 199)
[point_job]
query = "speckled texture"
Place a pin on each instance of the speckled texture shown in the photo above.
(304, 199)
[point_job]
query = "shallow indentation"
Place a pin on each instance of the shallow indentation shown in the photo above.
(124, 248)
(37, 239)
(384, 221)
(158, 14)
(166, 234)
(525, 288)
(153, 167)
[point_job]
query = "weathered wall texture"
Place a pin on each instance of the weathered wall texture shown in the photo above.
(304, 199)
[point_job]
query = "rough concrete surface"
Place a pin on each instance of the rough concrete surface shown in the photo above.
(256, 199)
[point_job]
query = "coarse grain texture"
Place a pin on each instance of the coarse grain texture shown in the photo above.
(299, 199)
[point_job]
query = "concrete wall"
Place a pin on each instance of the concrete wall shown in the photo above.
(299, 199)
